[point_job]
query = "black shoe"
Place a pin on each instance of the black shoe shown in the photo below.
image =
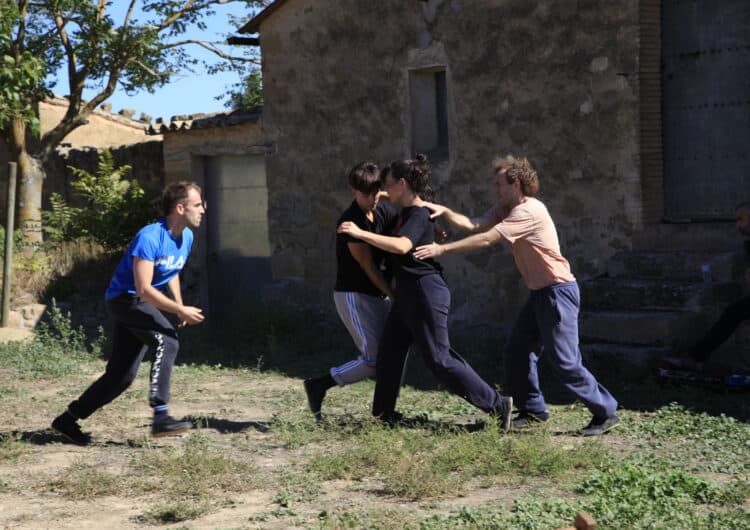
(525, 419)
(68, 427)
(390, 418)
(599, 425)
(502, 412)
(169, 426)
(315, 394)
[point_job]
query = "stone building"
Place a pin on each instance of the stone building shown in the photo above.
(225, 154)
(634, 112)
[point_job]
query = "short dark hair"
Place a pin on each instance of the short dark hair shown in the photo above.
(365, 177)
(175, 193)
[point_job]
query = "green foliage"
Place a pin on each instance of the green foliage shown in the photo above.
(56, 349)
(715, 443)
(17, 241)
(60, 222)
(247, 94)
(21, 73)
(114, 209)
(649, 497)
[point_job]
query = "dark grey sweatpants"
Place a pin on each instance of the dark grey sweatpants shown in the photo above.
(138, 327)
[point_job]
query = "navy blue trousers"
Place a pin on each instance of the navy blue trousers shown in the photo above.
(420, 316)
(548, 327)
(138, 327)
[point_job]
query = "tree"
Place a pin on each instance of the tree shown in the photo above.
(247, 94)
(141, 52)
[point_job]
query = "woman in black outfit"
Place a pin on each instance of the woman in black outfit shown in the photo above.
(420, 312)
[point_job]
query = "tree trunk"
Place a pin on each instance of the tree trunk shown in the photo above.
(30, 178)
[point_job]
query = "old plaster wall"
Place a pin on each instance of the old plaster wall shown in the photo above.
(103, 129)
(552, 80)
(184, 156)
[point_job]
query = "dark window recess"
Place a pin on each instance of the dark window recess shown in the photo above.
(429, 113)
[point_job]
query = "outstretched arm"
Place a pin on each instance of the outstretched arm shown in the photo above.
(394, 245)
(460, 221)
(485, 239)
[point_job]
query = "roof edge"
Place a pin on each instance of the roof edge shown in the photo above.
(253, 25)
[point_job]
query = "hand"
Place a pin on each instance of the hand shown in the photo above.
(347, 227)
(436, 209)
(190, 315)
(382, 194)
(433, 250)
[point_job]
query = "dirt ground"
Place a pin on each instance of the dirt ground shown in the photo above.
(240, 405)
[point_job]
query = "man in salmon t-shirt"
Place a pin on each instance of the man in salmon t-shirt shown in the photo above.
(548, 323)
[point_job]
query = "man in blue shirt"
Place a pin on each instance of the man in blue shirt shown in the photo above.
(136, 299)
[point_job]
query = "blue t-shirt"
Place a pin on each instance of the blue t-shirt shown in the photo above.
(153, 243)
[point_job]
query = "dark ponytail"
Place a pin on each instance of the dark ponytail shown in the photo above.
(416, 173)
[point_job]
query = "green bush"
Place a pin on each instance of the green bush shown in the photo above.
(114, 209)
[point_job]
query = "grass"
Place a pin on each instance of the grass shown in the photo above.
(12, 448)
(259, 459)
(56, 349)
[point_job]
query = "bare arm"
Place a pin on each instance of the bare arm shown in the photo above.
(143, 273)
(394, 245)
(174, 288)
(483, 240)
(460, 221)
(362, 253)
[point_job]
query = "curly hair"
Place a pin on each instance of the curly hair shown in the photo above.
(518, 169)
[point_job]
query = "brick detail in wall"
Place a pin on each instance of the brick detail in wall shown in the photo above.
(652, 164)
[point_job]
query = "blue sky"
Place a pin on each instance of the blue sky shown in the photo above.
(187, 93)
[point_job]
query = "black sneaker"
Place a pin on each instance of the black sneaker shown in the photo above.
(315, 394)
(525, 419)
(169, 426)
(599, 426)
(69, 428)
(502, 412)
(391, 419)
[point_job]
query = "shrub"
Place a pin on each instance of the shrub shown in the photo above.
(114, 208)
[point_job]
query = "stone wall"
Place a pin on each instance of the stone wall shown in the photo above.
(146, 160)
(554, 80)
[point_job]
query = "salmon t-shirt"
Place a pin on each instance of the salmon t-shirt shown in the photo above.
(532, 236)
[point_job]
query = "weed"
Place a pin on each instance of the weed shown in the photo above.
(11, 447)
(174, 512)
(56, 349)
(83, 481)
(714, 443)
(194, 471)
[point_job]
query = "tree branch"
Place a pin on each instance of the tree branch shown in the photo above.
(69, 51)
(101, 10)
(189, 7)
(150, 70)
(213, 49)
(129, 13)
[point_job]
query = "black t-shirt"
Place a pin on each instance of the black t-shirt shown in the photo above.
(414, 223)
(350, 277)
